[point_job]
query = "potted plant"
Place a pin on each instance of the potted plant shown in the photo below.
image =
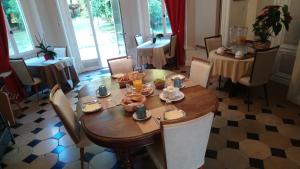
(269, 23)
(44, 49)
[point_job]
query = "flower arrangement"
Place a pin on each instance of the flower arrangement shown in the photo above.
(44, 49)
(270, 21)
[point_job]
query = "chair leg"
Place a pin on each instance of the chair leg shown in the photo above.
(36, 88)
(266, 94)
(220, 78)
(81, 157)
(249, 93)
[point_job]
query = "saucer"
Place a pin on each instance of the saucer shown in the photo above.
(148, 115)
(108, 94)
(178, 76)
(179, 97)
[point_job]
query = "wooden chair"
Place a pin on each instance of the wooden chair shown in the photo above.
(6, 109)
(261, 71)
(63, 108)
(24, 75)
(122, 64)
(61, 52)
(183, 144)
(138, 40)
(170, 56)
(212, 43)
(200, 71)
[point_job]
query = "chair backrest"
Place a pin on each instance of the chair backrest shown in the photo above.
(173, 46)
(63, 108)
(263, 65)
(6, 109)
(212, 43)
(120, 65)
(200, 72)
(22, 71)
(138, 39)
(61, 52)
(185, 142)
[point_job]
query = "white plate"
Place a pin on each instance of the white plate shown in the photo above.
(174, 114)
(91, 107)
(108, 94)
(178, 76)
(178, 98)
(148, 115)
(118, 75)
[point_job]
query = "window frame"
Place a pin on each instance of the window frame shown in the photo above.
(12, 40)
(164, 13)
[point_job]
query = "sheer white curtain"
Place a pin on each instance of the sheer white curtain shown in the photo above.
(294, 90)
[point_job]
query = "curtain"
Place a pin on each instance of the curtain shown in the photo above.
(176, 12)
(12, 83)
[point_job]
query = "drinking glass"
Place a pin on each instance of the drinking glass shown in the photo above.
(138, 85)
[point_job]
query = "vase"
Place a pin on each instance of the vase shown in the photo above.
(261, 44)
(48, 57)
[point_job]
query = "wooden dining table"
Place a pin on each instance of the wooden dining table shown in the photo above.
(116, 129)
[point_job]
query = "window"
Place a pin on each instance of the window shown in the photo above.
(19, 38)
(11, 51)
(159, 19)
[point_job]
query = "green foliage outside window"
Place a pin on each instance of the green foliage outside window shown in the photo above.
(102, 9)
(12, 12)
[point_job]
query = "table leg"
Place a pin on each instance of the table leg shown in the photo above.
(124, 159)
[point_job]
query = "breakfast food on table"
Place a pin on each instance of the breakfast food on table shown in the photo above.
(146, 90)
(129, 102)
(159, 84)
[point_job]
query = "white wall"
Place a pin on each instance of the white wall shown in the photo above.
(201, 21)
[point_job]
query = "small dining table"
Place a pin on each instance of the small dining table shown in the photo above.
(115, 128)
(228, 66)
(153, 53)
(58, 71)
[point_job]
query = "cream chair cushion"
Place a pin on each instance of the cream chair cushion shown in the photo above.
(185, 144)
(65, 112)
(139, 40)
(22, 72)
(200, 72)
(123, 65)
(213, 43)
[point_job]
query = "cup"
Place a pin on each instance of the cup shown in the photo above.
(141, 111)
(138, 85)
(178, 83)
(102, 91)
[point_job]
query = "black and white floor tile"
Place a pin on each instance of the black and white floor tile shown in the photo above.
(265, 137)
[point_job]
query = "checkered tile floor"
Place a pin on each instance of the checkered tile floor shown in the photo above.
(265, 137)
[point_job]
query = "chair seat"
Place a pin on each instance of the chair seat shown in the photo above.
(84, 141)
(246, 82)
(36, 80)
(156, 153)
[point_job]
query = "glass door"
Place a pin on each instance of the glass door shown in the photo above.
(85, 36)
(97, 25)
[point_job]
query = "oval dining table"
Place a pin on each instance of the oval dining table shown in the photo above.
(116, 129)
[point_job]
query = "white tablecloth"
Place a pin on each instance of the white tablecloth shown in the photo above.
(230, 67)
(149, 53)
